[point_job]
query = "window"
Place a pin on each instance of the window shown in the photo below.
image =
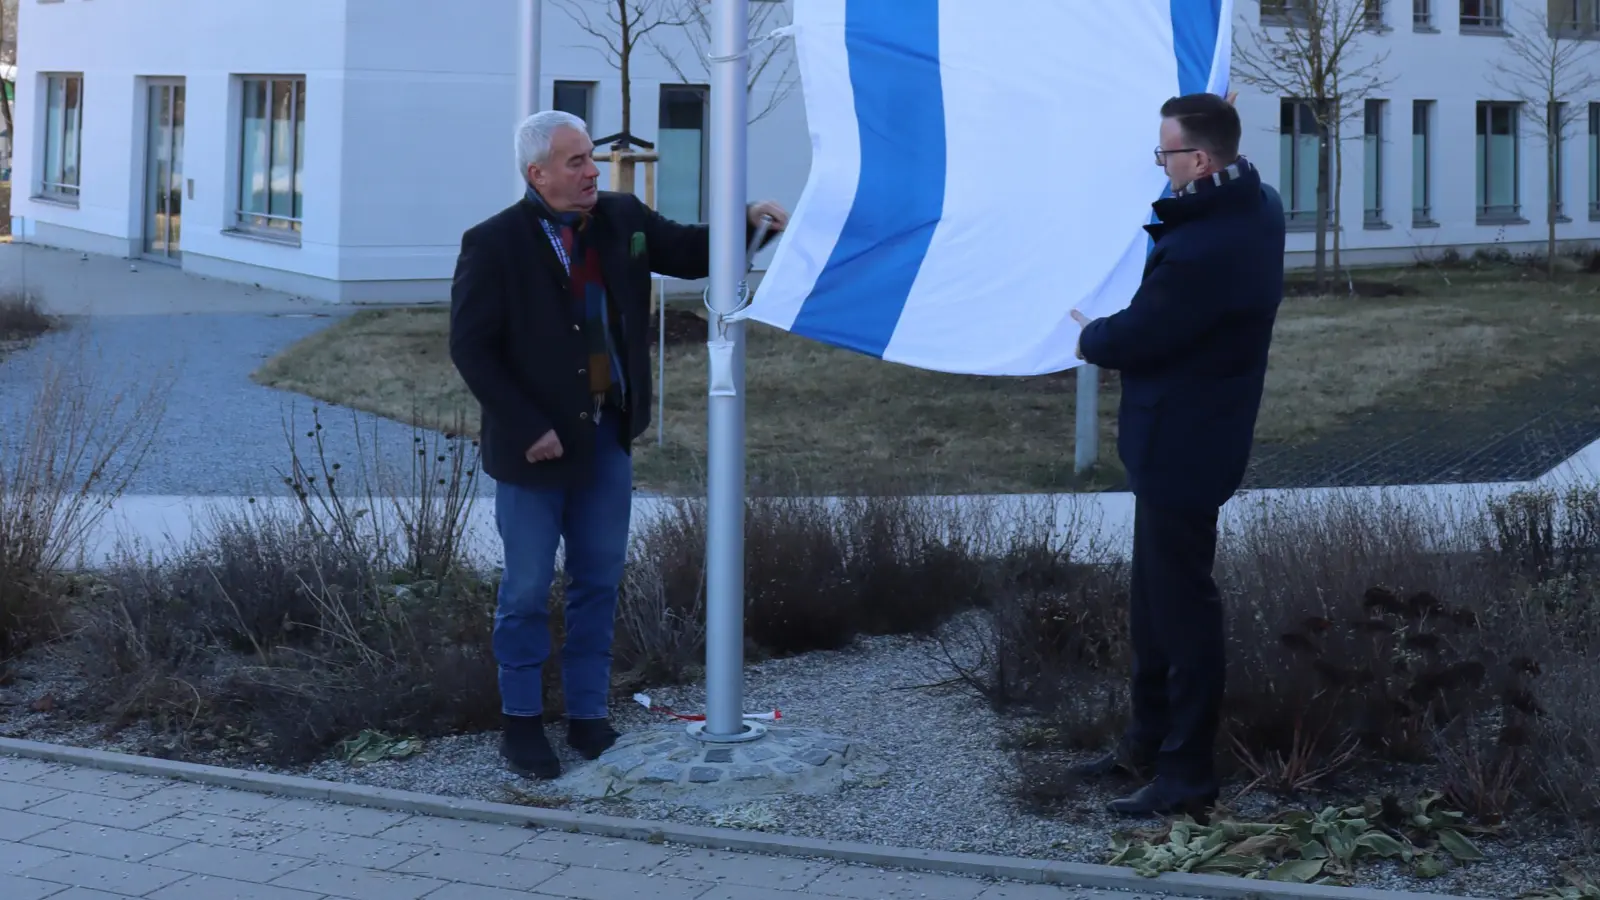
(1422, 13)
(682, 150)
(272, 156)
(1575, 18)
(1372, 163)
(1421, 162)
(1372, 14)
(1482, 15)
(63, 137)
(1499, 194)
(1279, 12)
(1594, 160)
(576, 97)
(1298, 142)
(1556, 159)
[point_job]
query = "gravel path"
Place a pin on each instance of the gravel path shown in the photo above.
(947, 785)
(220, 434)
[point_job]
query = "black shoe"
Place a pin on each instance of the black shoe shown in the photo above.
(526, 750)
(590, 737)
(1119, 763)
(1163, 797)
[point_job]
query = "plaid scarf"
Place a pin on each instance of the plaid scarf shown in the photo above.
(602, 321)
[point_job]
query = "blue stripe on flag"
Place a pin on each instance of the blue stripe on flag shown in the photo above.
(1195, 25)
(893, 52)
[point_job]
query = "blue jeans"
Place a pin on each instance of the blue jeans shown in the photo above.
(592, 514)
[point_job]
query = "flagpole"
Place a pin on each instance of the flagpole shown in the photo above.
(529, 43)
(725, 402)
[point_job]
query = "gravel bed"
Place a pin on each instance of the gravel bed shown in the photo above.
(947, 786)
(220, 433)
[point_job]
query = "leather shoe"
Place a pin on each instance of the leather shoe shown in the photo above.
(590, 737)
(1163, 797)
(1118, 763)
(526, 750)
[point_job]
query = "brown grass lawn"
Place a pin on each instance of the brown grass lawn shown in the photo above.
(824, 419)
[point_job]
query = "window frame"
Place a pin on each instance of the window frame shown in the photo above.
(1423, 111)
(264, 224)
(1374, 111)
(54, 186)
(1422, 16)
(590, 90)
(1594, 162)
(1488, 214)
(1555, 130)
(1303, 219)
(703, 92)
(1581, 22)
(1490, 18)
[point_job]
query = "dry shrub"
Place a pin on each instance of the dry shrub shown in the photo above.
(1359, 630)
(1484, 765)
(818, 574)
(279, 632)
(1057, 610)
(1338, 633)
(660, 637)
(20, 316)
(64, 460)
(797, 588)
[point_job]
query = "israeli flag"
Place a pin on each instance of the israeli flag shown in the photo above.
(980, 168)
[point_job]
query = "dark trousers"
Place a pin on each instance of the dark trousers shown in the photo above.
(1179, 655)
(590, 517)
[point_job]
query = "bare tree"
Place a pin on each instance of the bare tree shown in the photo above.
(1309, 50)
(1546, 65)
(772, 59)
(8, 57)
(619, 27)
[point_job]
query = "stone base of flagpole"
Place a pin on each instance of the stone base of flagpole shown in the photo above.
(668, 763)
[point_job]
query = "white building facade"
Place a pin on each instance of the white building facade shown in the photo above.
(1448, 150)
(337, 148)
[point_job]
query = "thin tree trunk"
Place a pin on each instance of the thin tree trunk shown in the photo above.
(625, 68)
(627, 93)
(1322, 209)
(1552, 186)
(1338, 194)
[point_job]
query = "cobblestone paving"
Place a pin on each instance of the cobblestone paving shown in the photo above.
(82, 834)
(1521, 434)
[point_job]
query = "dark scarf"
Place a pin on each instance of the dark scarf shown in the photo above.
(570, 234)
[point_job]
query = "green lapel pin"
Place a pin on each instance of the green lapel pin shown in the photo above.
(636, 247)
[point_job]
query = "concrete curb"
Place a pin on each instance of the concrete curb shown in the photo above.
(970, 864)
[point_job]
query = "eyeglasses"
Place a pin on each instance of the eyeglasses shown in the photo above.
(1161, 155)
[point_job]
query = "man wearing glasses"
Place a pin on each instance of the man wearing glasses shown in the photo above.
(1192, 350)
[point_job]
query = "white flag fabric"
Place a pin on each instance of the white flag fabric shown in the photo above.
(980, 168)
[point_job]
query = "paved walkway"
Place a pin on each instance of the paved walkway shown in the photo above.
(81, 284)
(83, 834)
(1100, 522)
(195, 342)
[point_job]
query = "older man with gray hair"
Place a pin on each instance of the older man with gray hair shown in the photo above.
(549, 318)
